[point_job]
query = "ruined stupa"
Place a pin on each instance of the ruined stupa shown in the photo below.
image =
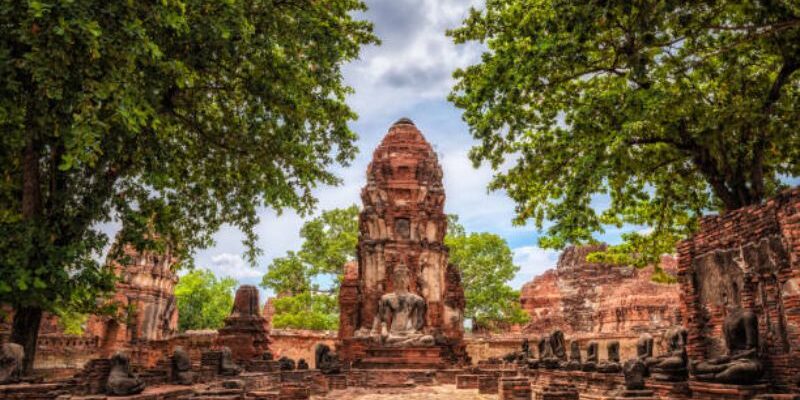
(246, 331)
(402, 304)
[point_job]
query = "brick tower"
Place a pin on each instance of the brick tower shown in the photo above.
(402, 223)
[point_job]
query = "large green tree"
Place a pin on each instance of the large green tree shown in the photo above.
(174, 117)
(204, 301)
(670, 109)
(486, 265)
(329, 241)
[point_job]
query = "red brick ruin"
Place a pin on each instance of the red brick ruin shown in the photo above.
(600, 302)
(402, 223)
(246, 331)
(729, 329)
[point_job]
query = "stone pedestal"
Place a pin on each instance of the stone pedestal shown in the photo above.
(515, 388)
(669, 390)
(467, 381)
(721, 391)
(402, 358)
(337, 382)
(558, 392)
(263, 366)
(488, 384)
(636, 395)
(294, 391)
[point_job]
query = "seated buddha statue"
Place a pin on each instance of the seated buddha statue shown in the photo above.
(741, 365)
(611, 365)
(592, 352)
(670, 366)
(401, 315)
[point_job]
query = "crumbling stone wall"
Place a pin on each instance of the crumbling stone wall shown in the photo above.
(601, 302)
(299, 343)
(749, 257)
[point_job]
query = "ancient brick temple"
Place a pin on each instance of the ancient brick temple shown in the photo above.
(401, 229)
(146, 291)
(147, 315)
(748, 259)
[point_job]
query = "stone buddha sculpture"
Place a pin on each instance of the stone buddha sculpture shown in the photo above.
(592, 353)
(519, 357)
(644, 347)
(741, 365)
(121, 381)
(182, 367)
(670, 366)
(574, 363)
(401, 315)
(555, 352)
(226, 365)
(611, 365)
(11, 357)
(326, 360)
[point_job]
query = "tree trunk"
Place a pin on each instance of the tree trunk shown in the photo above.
(25, 332)
(25, 329)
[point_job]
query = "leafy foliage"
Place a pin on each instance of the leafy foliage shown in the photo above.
(203, 300)
(316, 311)
(175, 117)
(288, 275)
(71, 322)
(486, 265)
(669, 109)
(329, 241)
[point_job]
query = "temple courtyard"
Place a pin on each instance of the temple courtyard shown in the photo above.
(729, 329)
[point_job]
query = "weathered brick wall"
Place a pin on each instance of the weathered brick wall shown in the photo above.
(600, 302)
(749, 257)
(297, 344)
(481, 348)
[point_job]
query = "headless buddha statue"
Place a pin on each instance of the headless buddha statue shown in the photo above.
(401, 315)
(741, 365)
(670, 366)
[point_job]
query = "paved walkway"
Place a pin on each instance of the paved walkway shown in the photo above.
(442, 392)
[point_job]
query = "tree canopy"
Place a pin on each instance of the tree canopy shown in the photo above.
(486, 266)
(666, 109)
(204, 301)
(307, 310)
(329, 241)
(174, 117)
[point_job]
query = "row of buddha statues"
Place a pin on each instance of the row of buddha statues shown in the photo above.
(122, 381)
(740, 364)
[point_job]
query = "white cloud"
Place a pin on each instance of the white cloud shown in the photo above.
(467, 195)
(532, 261)
(234, 266)
(415, 60)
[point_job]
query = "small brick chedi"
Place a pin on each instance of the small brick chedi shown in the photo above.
(245, 331)
(402, 304)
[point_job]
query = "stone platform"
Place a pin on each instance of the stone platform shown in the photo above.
(590, 385)
(721, 391)
(379, 357)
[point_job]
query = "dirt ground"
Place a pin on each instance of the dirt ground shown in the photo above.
(442, 392)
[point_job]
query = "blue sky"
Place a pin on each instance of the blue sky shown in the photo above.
(409, 75)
